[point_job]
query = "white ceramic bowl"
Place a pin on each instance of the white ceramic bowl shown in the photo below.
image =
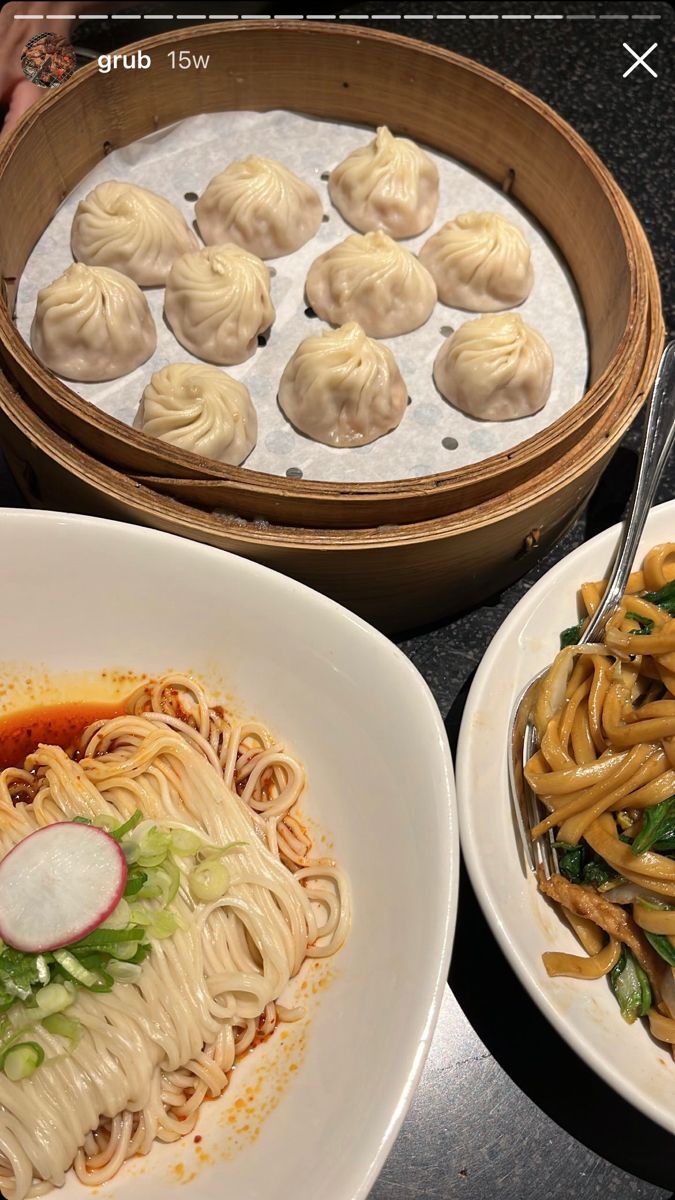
(81, 595)
(584, 1012)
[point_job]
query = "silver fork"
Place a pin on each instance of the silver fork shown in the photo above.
(657, 439)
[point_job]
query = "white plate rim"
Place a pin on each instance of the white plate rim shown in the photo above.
(601, 547)
(398, 1109)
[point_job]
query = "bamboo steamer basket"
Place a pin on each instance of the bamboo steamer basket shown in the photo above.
(349, 74)
(397, 577)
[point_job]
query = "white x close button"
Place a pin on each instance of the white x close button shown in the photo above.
(640, 59)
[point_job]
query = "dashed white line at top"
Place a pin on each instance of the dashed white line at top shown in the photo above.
(338, 17)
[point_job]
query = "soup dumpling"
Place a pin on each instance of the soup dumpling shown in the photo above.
(342, 388)
(92, 324)
(390, 184)
(217, 303)
(199, 408)
(130, 229)
(495, 368)
(480, 262)
(371, 279)
(261, 205)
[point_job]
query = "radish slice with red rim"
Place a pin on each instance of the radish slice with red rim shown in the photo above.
(59, 884)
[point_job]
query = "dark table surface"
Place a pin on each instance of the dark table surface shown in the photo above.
(504, 1108)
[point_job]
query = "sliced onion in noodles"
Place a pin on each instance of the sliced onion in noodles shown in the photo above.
(551, 691)
(626, 893)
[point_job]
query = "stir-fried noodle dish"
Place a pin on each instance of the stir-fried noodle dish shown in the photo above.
(157, 895)
(605, 715)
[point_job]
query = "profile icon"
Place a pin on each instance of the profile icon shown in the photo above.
(48, 60)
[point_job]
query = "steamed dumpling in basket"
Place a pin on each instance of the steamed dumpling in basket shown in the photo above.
(217, 302)
(199, 408)
(495, 368)
(92, 324)
(342, 388)
(261, 205)
(130, 229)
(480, 262)
(390, 184)
(371, 279)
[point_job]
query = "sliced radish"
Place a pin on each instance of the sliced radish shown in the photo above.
(59, 884)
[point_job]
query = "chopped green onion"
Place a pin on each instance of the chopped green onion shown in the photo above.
(152, 889)
(130, 851)
(163, 925)
(24, 1016)
(136, 879)
(209, 880)
(162, 883)
(42, 968)
(96, 965)
(124, 951)
(150, 860)
(124, 972)
(158, 922)
(153, 847)
(16, 990)
(169, 877)
(142, 952)
(105, 821)
(99, 953)
(141, 915)
(54, 998)
(8, 1033)
(119, 917)
(20, 1061)
(73, 967)
(65, 1027)
(81, 821)
(104, 982)
(185, 842)
(104, 939)
(123, 830)
(18, 972)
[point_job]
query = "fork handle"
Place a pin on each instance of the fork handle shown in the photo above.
(657, 439)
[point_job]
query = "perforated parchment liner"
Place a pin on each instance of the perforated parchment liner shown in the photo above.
(181, 160)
